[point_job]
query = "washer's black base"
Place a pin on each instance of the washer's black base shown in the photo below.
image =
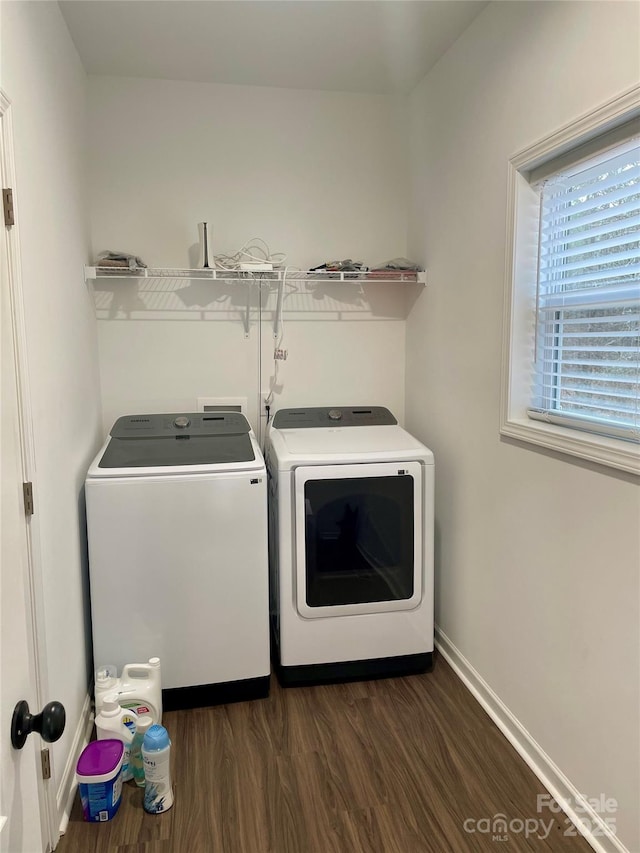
(203, 695)
(353, 670)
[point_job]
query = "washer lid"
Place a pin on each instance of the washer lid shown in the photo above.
(192, 439)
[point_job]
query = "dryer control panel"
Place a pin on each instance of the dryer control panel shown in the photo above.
(343, 416)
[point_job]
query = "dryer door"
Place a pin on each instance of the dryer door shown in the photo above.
(358, 538)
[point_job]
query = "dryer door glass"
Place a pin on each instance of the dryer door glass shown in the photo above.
(359, 540)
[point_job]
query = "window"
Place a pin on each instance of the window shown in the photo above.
(572, 355)
(588, 307)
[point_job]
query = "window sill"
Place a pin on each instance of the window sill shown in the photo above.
(614, 453)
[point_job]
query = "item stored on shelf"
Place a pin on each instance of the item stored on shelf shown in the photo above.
(397, 268)
(205, 258)
(119, 260)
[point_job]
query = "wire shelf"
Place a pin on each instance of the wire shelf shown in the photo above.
(259, 276)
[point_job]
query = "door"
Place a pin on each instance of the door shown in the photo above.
(23, 811)
(358, 535)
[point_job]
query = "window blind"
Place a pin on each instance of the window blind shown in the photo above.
(587, 366)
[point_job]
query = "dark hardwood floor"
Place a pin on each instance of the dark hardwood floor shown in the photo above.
(389, 766)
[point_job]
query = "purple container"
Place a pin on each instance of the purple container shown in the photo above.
(99, 775)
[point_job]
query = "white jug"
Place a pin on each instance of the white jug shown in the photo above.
(139, 688)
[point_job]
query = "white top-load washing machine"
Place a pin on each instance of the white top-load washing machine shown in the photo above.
(351, 545)
(177, 530)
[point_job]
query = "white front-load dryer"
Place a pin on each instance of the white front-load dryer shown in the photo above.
(177, 531)
(351, 545)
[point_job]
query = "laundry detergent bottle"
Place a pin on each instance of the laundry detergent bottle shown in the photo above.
(139, 688)
(106, 682)
(113, 721)
(156, 753)
(143, 724)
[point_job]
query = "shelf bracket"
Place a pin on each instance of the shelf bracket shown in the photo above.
(277, 318)
(247, 313)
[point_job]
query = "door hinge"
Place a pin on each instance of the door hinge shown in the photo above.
(7, 204)
(27, 491)
(46, 763)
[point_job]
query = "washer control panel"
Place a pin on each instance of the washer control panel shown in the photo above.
(345, 416)
(197, 423)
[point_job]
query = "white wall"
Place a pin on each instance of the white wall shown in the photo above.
(42, 75)
(318, 175)
(538, 554)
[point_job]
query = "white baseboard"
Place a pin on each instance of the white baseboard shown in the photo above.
(587, 821)
(68, 785)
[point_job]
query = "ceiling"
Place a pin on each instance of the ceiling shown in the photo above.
(383, 46)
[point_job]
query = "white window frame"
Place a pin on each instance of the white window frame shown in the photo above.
(520, 292)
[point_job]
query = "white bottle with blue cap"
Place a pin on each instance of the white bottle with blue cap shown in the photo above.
(156, 752)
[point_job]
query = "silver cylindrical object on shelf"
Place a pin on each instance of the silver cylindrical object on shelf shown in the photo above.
(205, 259)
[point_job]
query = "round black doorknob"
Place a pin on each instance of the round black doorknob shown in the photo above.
(49, 723)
